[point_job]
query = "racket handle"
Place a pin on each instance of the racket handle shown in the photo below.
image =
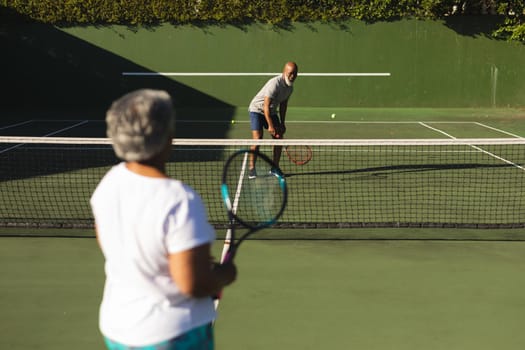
(228, 257)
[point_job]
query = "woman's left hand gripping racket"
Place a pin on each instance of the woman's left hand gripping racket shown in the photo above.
(253, 203)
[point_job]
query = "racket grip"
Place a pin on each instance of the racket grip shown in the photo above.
(217, 296)
(228, 257)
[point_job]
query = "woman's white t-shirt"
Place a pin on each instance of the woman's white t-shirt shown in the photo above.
(140, 220)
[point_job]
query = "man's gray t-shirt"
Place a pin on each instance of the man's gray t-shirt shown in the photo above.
(277, 90)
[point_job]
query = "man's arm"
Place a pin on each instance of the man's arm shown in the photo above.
(282, 114)
(267, 116)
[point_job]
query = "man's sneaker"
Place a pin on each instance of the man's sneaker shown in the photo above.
(252, 174)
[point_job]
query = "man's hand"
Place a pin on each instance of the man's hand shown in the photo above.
(279, 132)
(272, 130)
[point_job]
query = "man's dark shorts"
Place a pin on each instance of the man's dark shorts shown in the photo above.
(258, 121)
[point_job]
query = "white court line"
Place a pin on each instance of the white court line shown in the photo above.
(65, 129)
(234, 74)
(67, 120)
(228, 237)
(499, 130)
(15, 125)
(436, 130)
(235, 205)
(48, 135)
(331, 121)
(476, 148)
(374, 122)
(328, 121)
(498, 157)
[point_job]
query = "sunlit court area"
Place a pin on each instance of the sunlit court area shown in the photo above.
(403, 158)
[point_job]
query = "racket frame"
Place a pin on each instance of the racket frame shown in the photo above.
(233, 219)
(230, 245)
(307, 149)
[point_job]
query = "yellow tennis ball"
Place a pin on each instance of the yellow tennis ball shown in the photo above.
(333, 115)
(233, 121)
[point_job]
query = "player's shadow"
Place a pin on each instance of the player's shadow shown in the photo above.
(383, 171)
(50, 74)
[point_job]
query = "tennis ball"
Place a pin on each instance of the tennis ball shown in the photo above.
(233, 121)
(333, 115)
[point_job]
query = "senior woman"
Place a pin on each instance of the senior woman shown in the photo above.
(155, 237)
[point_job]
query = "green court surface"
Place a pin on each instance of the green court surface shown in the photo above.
(375, 295)
(391, 123)
(291, 295)
(302, 122)
(397, 288)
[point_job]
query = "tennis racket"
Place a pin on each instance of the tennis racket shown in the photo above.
(251, 203)
(299, 154)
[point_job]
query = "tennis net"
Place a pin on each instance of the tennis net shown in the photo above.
(471, 183)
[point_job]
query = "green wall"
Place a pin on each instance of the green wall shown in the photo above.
(431, 64)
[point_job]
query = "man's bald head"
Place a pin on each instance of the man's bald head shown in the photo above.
(290, 71)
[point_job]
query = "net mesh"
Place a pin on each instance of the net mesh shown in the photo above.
(478, 183)
(299, 154)
(258, 200)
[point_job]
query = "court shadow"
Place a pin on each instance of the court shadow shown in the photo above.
(384, 171)
(51, 75)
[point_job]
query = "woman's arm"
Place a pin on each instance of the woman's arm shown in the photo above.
(196, 275)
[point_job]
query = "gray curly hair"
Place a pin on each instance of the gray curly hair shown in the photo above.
(140, 123)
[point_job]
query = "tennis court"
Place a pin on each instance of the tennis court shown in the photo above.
(333, 288)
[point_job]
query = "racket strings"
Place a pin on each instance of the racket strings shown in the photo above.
(299, 154)
(258, 200)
